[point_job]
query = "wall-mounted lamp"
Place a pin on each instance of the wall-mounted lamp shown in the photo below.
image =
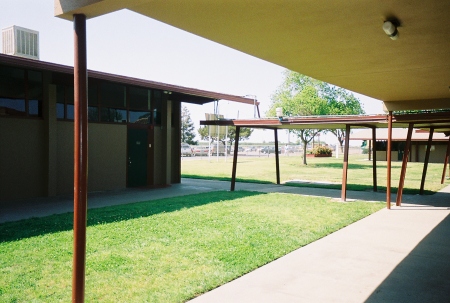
(390, 29)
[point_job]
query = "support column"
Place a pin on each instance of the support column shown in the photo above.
(427, 159)
(374, 159)
(388, 160)
(401, 182)
(80, 158)
(447, 153)
(235, 154)
(345, 166)
(370, 149)
(277, 158)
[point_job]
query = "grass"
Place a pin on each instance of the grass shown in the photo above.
(262, 170)
(167, 250)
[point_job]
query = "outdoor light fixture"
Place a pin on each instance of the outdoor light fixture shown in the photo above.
(390, 29)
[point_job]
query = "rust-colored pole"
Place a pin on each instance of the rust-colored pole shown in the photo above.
(388, 160)
(370, 149)
(401, 182)
(425, 163)
(277, 158)
(80, 158)
(374, 159)
(447, 153)
(345, 166)
(235, 155)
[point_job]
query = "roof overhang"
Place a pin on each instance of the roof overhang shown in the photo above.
(340, 42)
(179, 93)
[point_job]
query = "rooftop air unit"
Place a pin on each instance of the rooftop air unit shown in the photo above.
(22, 42)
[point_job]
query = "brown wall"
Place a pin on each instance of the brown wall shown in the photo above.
(22, 159)
(436, 156)
(107, 152)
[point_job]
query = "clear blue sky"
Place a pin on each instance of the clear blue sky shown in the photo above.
(129, 44)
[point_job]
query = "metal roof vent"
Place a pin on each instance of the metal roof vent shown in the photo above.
(20, 41)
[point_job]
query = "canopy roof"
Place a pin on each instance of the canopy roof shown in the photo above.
(340, 42)
(439, 121)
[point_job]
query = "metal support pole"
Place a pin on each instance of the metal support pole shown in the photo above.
(80, 158)
(447, 153)
(370, 149)
(235, 154)
(345, 165)
(406, 151)
(388, 160)
(257, 108)
(374, 159)
(277, 158)
(427, 159)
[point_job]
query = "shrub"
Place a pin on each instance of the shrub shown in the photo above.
(322, 150)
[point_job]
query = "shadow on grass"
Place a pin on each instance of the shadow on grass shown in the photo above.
(225, 179)
(13, 231)
(339, 165)
(359, 187)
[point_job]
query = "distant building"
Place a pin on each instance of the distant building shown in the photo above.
(419, 140)
(20, 41)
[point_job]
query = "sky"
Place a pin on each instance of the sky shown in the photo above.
(129, 44)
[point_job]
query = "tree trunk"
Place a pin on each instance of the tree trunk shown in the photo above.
(304, 153)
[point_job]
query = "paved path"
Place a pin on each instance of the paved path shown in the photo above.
(397, 255)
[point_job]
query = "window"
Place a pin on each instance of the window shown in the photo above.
(21, 92)
(139, 105)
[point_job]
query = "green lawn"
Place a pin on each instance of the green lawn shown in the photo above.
(262, 170)
(168, 250)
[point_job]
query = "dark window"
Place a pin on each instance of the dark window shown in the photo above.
(113, 115)
(92, 94)
(12, 91)
(60, 110)
(139, 117)
(70, 111)
(139, 98)
(93, 114)
(35, 85)
(12, 107)
(35, 108)
(113, 95)
(12, 82)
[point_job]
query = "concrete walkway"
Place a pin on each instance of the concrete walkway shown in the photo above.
(397, 255)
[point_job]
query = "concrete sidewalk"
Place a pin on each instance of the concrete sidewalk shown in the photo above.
(397, 255)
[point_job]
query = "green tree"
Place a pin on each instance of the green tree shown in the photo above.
(341, 102)
(187, 127)
(300, 95)
(244, 134)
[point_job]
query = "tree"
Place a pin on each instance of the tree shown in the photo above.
(341, 102)
(187, 127)
(244, 134)
(300, 95)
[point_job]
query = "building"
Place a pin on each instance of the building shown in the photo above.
(134, 129)
(419, 140)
